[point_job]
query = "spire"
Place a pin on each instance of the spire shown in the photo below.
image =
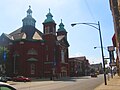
(61, 27)
(29, 11)
(49, 18)
(29, 20)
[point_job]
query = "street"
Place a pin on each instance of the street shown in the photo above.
(76, 83)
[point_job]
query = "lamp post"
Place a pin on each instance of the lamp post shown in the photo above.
(97, 26)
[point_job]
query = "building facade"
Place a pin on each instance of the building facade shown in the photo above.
(115, 9)
(36, 54)
(96, 68)
(79, 66)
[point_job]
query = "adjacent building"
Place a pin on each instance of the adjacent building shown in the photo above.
(79, 66)
(115, 9)
(34, 53)
(96, 68)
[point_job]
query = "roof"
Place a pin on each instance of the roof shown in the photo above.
(16, 31)
(8, 36)
(29, 20)
(26, 32)
(49, 18)
(82, 58)
(61, 27)
(60, 37)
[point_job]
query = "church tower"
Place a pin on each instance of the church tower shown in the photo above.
(29, 25)
(29, 20)
(49, 25)
(61, 31)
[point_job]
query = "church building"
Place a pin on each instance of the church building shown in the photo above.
(33, 53)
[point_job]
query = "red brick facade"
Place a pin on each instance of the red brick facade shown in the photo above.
(36, 54)
(79, 66)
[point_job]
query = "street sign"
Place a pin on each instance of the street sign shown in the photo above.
(113, 64)
(111, 48)
(4, 55)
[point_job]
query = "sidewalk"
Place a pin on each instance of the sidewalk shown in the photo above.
(112, 84)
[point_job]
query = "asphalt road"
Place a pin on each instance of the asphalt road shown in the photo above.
(78, 83)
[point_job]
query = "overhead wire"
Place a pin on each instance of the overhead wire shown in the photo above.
(89, 10)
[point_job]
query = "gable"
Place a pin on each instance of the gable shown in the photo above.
(37, 36)
(62, 39)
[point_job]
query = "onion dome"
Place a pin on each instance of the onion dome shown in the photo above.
(29, 20)
(49, 18)
(61, 27)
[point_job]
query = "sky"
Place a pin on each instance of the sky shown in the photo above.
(82, 38)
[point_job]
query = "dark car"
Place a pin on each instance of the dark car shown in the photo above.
(21, 79)
(93, 74)
(9, 78)
(5, 86)
(3, 79)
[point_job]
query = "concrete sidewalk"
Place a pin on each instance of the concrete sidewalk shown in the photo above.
(112, 84)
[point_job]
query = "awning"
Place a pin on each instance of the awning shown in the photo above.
(32, 59)
(114, 40)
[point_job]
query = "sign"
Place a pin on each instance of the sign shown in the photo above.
(113, 64)
(4, 55)
(111, 48)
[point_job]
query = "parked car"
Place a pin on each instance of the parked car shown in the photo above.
(21, 79)
(93, 74)
(5, 86)
(8, 78)
(3, 79)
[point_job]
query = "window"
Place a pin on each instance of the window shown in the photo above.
(3, 39)
(62, 56)
(32, 51)
(54, 30)
(46, 47)
(47, 30)
(32, 68)
(46, 57)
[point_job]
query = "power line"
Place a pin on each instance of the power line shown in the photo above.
(89, 10)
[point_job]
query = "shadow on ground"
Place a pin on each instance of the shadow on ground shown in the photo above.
(73, 79)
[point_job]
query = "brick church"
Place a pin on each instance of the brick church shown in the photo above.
(33, 53)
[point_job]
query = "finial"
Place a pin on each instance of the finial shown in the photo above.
(29, 6)
(49, 10)
(61, 20)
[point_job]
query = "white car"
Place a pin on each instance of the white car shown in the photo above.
(6, 86)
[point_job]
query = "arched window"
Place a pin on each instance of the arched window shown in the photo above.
(32, 51)
(32, 68)
(47, 30)
(62, 56)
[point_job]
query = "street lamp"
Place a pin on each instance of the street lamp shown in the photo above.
(100, 47)
(96, 26)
